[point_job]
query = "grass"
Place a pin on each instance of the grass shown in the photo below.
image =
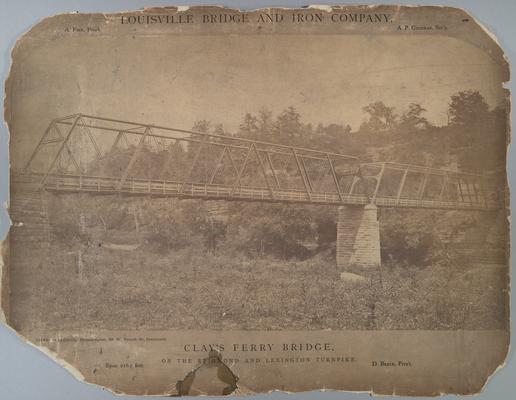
(192, 289)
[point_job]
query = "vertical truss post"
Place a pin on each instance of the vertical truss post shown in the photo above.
(378, 182)
(320, 177)
(460, 190)
(68, 135)
(334, 176)
(232, 162)
(75, 163)
(467, 191)
(192, 167)
(204, 164)
(443, 187)
(269, 161)
(216, 169)
(303, 164)
(422, 186)
(136, 153)
(241, 171)
(167, 160)
(305, 183)
(402, 185)
(262, 167)
(483, 190)
(286, 164)
(473, 194)
(93, 142)
(356, 179)
(477, 197)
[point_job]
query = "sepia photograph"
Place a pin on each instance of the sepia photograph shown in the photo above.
(275, 172)
(315, 203)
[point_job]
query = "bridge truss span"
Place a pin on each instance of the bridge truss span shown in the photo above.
(82, 153)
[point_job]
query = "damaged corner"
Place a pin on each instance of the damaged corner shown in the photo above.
(212, 378)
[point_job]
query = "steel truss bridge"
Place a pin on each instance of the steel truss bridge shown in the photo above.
(87, 154)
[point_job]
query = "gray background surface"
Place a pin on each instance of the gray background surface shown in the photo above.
(25, 372)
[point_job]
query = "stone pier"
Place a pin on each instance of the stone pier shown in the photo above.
(358, 237)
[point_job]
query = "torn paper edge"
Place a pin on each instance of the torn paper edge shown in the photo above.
(4, 244)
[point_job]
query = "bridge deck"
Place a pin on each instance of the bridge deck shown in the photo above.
(162, 188)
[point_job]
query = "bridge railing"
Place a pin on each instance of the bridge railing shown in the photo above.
(132, 186)
(404, 182)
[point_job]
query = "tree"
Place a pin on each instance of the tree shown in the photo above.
(273, 229)
(202, 126)
(249, 125)
(218, 129)
(289, 128)
(484, 147)
(332, 137)
(413, 120)
(478, 133)
(467, 108)
(265, 122)
(380, 118)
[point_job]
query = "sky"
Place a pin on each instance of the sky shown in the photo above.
(177, 80)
